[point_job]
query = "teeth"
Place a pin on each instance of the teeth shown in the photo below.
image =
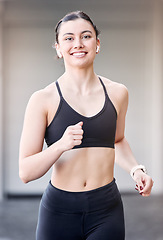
(79, 54)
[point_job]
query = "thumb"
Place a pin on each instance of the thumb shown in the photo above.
(80, 124)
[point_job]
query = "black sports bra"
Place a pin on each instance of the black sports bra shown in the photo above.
(99, 130)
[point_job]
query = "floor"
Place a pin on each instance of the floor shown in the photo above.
(143, 217)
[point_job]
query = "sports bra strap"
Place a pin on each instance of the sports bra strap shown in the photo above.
(58, 88)
(106, 94)
(60, 93)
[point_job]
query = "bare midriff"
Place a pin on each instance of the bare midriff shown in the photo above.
(84, 169)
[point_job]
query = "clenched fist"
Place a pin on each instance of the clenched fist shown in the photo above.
(72, 136)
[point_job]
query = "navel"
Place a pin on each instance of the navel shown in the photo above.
(85, 184)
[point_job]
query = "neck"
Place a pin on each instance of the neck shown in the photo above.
(79, 78)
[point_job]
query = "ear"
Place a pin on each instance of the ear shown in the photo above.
(98, 46)
(59, 54)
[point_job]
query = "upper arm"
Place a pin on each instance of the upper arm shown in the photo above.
(34, 127)
(123, 105)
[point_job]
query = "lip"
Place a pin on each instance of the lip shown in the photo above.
(78, 53)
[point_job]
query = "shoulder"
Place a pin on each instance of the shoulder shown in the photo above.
(40, 101)
(118, 93)
(43, 96)
(118, 88)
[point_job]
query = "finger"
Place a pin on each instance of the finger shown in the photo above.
(77, 137)
(77, 142)
(77, 132)
(79, 124)
(145, 194)
(76, 126)
(147, 187)
(140, 185)
(145, 190)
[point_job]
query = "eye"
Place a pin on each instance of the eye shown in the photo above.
(86, 36)
(69, 39)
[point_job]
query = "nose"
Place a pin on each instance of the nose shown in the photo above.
(78, 43)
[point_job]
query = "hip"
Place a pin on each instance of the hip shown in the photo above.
(58, 200)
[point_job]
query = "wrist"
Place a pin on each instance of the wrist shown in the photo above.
(63, 146)
(60, 146)
(138, 167)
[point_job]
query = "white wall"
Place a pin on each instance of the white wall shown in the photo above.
(157, 94)
(29, 64)
(1, 103)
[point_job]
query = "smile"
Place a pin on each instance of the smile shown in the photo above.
(79, 54)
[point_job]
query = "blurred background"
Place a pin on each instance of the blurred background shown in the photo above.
(131, 53)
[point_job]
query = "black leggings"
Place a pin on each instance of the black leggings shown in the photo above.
(89, 215)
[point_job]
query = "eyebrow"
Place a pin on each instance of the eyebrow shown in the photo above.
(81, 32)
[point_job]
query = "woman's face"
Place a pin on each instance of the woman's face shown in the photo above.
(77, 43)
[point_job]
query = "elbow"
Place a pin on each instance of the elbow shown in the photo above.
(24, 181)
(120, 140)
(23, 177)
(23, 174)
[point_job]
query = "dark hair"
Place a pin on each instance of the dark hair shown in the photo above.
(72, 16)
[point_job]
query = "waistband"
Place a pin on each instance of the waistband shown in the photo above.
(59, 200)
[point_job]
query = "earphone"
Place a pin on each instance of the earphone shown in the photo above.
(97, 49)
(59, 54)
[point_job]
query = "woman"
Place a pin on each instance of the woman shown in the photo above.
(82, 117)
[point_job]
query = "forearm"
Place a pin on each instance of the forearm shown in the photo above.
(35, 166)
(124, 156)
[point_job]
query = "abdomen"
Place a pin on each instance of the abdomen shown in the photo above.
(84, 169)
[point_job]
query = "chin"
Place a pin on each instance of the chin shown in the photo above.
(82, 63)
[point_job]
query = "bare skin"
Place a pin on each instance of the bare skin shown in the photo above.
(76, 169)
